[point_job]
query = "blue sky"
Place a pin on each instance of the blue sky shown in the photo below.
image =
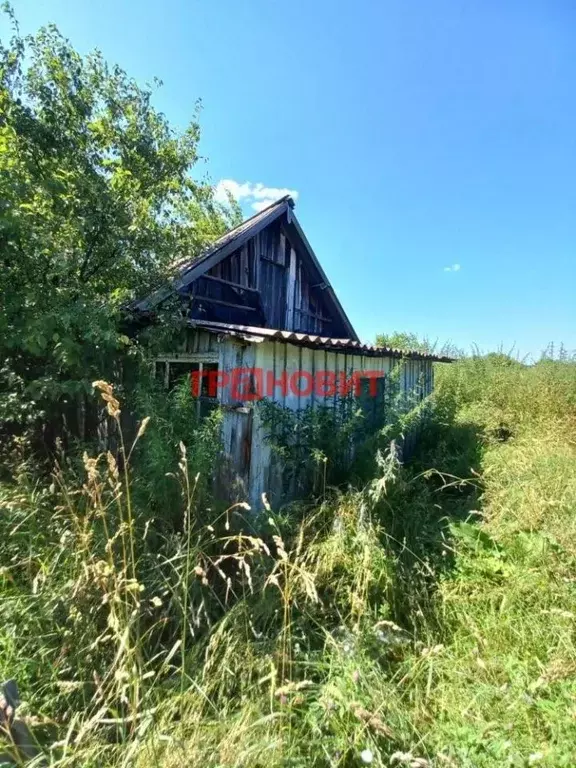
(417, 136)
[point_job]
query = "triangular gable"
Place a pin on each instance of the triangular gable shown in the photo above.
(263, 272)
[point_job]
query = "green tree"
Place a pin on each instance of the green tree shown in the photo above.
(410, 342)
(405, 341)
(97, 203)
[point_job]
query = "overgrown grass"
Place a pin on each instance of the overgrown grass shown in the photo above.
(425, 619)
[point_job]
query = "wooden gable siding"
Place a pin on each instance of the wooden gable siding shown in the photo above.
(239, 267)
(291, 298)
(214, 298)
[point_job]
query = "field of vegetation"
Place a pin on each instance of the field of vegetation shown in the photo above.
(404, 615)
(425, 618)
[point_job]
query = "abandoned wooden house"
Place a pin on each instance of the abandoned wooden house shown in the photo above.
(264, 321)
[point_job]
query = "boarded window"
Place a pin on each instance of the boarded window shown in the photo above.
(208, 388)
(178, 372)
(200, 375)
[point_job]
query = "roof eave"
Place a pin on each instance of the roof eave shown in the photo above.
(255, 333)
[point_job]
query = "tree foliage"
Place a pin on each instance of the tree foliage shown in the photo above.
(404, 340)
(411, 342)
(97, 202)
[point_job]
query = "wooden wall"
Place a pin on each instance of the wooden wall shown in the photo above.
(248, 468)
(416, 382)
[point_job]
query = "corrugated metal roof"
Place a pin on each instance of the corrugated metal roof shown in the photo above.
(256, 334)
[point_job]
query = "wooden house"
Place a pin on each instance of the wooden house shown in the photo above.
(264, 321)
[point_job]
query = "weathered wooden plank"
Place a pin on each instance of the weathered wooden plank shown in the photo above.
(273, 292)
(265, 475)
(304, 305)
(291, 287)
(281, 240)
(209, 299)
(297, 295)
(297, 397)
(318, 366)
(235, 268)
(307, 364)
(234, 474)
(316, 316)
(244, 270)
(210, 356)
(221, 280)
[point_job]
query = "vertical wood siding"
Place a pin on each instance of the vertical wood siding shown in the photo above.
(234, 473)
(292, 297)
(249, 467)
(279, 357)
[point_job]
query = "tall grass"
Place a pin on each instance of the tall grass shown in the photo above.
(99, 602)
(424, 619)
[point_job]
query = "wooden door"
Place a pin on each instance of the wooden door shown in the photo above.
(234, 480)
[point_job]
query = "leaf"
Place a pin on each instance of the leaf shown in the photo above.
(472, 536)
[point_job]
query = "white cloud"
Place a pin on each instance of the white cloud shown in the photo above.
(257, 196)
(453, 268)
(259, 205)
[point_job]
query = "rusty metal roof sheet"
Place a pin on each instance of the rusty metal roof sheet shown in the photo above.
(257, 334)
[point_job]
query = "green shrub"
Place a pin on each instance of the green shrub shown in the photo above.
(175, 421)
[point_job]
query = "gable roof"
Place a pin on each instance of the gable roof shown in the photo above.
(237, 236)
(234, 239)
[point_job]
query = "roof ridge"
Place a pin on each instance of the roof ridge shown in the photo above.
(184, 264)
(285, 199)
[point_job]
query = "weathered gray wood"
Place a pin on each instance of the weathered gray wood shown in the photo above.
(291, 288)
(297, 236)
(221, 280)
(199, 299)
(316, 316)
(238, 238)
